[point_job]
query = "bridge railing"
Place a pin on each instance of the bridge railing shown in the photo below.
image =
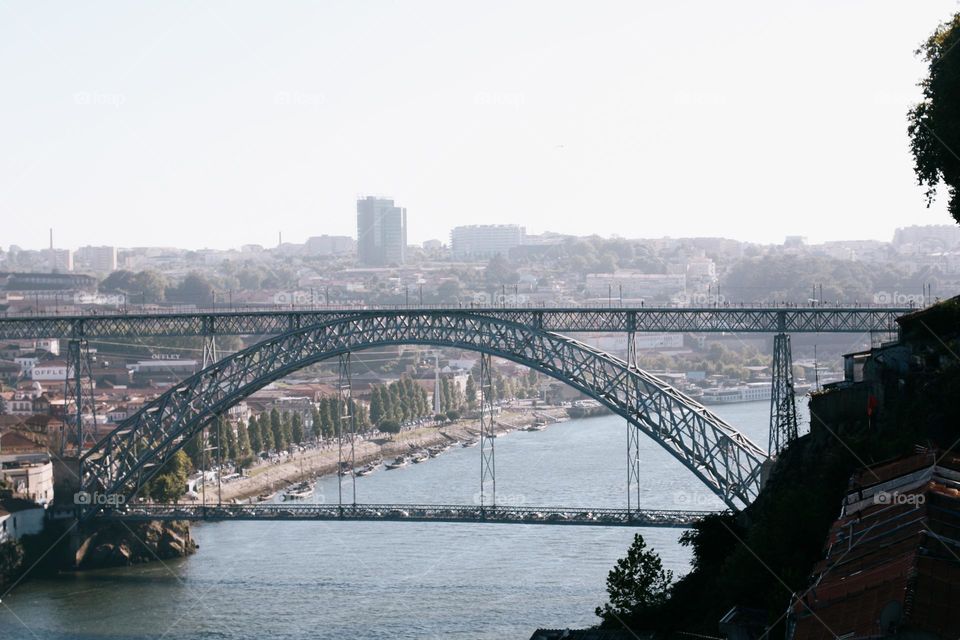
(149, 310)
(410, 512)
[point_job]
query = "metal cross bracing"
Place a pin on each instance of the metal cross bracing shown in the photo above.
(412, 513)
(633, 434)
(716, 453)
(346, 428)
(79, 400)
(562, 319)
(488, 467)
(783, 407)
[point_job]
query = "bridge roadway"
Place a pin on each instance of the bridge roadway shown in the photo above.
(745, 319)
(286, 511)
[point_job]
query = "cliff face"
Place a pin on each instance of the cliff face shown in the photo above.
(119, 544)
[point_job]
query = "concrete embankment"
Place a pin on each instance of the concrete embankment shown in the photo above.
(267, 478)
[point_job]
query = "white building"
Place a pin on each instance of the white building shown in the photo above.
(20, 518)
(50, 371)
(485, 240)
(98, 259)
(60, 260)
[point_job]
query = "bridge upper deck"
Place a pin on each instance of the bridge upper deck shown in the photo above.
(721, 319)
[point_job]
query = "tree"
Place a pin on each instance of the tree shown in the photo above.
(230, 441)
(253, 433)
(276, 429)
(390, 426)
(471, 392)
(376, 405)
(171, 483)
(636, 586)
(296, 428)
(12, 557)
(934, 123)
(194, 289)
(266, 433)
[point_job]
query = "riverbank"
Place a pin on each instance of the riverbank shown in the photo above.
(314, 462)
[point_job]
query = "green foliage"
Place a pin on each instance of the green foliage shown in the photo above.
(636, 586)
(171, 482)
(934, 123)
(144, 287)
(194, 289)
(791, 278)
(389, 426)
(470, 393)
(296, 428)
(11, 560)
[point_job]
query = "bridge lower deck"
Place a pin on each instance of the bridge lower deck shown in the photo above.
(288, 511)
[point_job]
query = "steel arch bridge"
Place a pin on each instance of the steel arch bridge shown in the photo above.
(721, 457)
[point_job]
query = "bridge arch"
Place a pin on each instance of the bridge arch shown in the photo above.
(721, 457)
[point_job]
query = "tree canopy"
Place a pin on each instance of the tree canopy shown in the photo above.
(934, 123)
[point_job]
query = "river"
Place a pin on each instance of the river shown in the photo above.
(260, 580)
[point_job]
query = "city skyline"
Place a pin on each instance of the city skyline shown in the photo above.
(611, 126)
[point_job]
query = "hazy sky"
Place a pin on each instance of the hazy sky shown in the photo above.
(215, 124)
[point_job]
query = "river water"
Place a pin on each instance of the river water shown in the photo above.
(263, 580)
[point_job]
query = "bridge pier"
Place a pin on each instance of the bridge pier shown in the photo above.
(209, 350)
(633, 433)
(78, 393)
(346, 460)
(783, 407)
(488, 466)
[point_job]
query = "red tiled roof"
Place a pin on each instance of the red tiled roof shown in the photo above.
(901, 551)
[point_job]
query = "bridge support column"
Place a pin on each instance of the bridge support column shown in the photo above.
(488, 476)
(346, 428)
(78, 394)
(783, 407)
(633, 433)
(209, 350)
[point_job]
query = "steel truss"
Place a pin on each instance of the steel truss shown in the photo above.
(633, 434)
(413, 513)
(488, 467)
(563, 319)
(783, 406)
(721, 457)
(78, 395)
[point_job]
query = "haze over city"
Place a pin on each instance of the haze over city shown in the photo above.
(218, 124)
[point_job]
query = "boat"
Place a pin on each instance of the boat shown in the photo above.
(586, 409)
(299, 491)
(750, 392)
(420, 456)
(469, 443)
(366, 469)
(536, 426)
(264, 497)
(400, 461)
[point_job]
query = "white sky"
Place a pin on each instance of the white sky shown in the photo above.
(217, 124)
